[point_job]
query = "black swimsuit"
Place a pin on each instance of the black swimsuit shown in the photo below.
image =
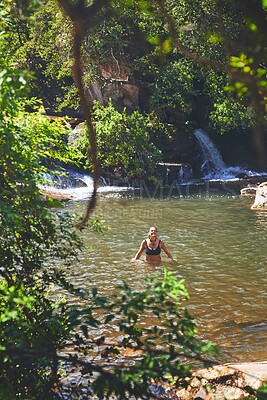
(153, 252)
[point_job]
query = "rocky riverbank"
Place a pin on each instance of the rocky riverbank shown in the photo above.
(221, 382)
(260, 194)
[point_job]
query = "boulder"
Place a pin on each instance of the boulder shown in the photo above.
(249, 191)
(220, 382)
(76, 133)
(260, 202)
(57, 194)
(173, 173)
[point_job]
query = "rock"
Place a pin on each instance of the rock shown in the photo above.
(253, 374)
(260, 202)
(204, 393)
(230, 393)
(173, 173)
(225, 382)
(249, 191)
(76, 133)
(242, 175)
(57, 194)
(216, 372)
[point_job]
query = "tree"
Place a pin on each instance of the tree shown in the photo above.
(37, 41)
(245, 63)
(124, 143)
(213, 35)
(34, 330)
(37, 332)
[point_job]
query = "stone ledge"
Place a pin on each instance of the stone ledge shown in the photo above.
(221, 382)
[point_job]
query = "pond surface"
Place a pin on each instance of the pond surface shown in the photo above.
(220, 246)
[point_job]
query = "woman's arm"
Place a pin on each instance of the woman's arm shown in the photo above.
(166, 251)
(140, 251)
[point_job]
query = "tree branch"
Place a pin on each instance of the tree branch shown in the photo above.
(196, 58)
(81, 17)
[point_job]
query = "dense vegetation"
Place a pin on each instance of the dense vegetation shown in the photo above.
(40, 330)
(41, 337)
(193, 63)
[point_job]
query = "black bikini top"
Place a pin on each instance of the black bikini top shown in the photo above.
(153, 252)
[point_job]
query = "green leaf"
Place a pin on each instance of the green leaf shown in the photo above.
(253, 27)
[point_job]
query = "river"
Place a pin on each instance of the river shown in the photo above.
(220, 246)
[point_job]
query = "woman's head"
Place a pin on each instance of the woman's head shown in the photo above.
(152, 231)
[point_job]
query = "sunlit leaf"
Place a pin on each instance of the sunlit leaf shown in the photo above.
(253, 27)
(167, 46)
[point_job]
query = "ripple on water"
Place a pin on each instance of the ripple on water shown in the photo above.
(220, 246)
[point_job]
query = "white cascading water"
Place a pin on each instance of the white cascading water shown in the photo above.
(212, 159)
(75, 186)
(213, 166)
(78, 186)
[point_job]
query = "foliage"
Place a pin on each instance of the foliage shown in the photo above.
(37, 39)
(262, 392)
(124, 145)
(24, 217)
(52, 133)
(229, 115)
(153, 42)
(163, 347)
(199, 26)
(39, 330)
(32, 329)
(250, 81)
(203, 34)
(211, 34)
(33, 239)
(175, 88)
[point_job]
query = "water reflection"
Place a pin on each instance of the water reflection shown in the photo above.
(261, 220)
(220, 245)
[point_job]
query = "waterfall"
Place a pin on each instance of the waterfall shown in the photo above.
(212, 162)
(74, 186)
(213, 167)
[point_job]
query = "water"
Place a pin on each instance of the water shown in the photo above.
(213, 166)
(213, 169)
(220, 246)
(212, 159)
(76, 186)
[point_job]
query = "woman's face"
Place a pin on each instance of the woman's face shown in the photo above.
(152, 232)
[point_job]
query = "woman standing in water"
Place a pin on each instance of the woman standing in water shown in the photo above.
(152, 247)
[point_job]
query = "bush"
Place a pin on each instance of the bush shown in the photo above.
(124, 142)
(43, 338)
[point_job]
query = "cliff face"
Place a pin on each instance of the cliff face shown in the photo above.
(117, 86)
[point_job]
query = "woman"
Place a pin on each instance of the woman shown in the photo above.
(152, 247)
